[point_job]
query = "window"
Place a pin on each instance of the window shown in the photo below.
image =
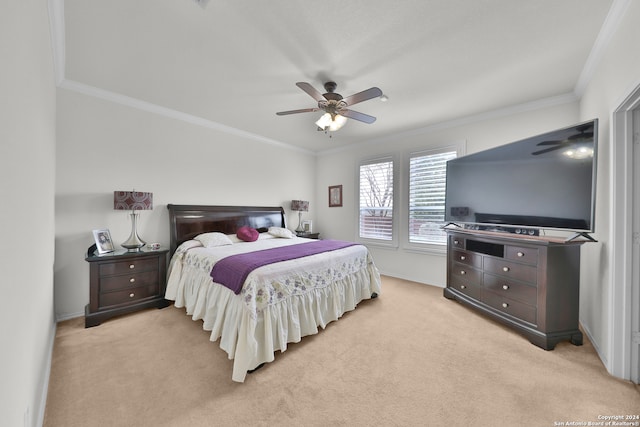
(427, 180)
(376, 200)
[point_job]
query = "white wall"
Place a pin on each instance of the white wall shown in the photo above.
(617, 75)
(105, 146)
(27, 172)
(340, 167)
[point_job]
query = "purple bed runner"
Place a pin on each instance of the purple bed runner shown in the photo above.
(234, 269)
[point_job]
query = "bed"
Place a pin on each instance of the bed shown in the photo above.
(277, 303)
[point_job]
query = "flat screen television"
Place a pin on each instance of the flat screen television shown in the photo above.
(546, 181)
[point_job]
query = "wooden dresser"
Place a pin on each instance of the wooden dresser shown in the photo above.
(529, 284)
(123, 282)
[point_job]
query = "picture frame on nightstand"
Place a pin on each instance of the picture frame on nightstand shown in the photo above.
(104, 243)
(307, 226)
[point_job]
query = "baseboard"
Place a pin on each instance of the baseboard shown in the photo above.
(46, 373)
(68, 316)
(595, 345)
(409, 279)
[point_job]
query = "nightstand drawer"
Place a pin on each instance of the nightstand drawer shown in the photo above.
(127, 296)
(115, 283)
(129, 266)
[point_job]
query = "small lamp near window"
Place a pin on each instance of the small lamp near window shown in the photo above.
(299, 206)
(134, 201)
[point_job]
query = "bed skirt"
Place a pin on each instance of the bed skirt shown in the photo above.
(251, 332)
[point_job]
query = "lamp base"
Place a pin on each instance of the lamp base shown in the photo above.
(299, 229)
(134, 243)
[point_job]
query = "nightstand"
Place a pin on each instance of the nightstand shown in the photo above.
(123, 282)
(308, 235)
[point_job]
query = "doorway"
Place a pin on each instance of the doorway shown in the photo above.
(625, 255)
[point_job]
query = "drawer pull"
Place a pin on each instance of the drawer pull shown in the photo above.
(505, 287)
(505, 269)
(132, 280)
(456, 242)
(132, 266)
(462, 272)
(462, 257)
(520, 254)
(131, 295)
(505, 305)
(463, 287)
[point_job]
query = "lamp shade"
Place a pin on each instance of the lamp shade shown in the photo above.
(299, 205)
(132, 200)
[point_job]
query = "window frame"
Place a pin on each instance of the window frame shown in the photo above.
(393, 243)
(407, 244)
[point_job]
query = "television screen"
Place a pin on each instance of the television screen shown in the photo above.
(546, 181)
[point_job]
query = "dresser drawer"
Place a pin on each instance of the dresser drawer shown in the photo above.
(129, 266)
(469, 258)
(468, 288)
(509, 288)
(126, 281)
(127, 296)
(499, 266)
(522, 254)
(457, 242)
(466, 273)
(509, 306)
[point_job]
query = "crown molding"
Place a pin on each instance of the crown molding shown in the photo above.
(170, 113)
(609, 27)
(56, 27)
(488, 115)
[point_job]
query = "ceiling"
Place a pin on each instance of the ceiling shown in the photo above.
(234, 63)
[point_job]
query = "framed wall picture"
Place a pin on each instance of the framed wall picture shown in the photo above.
(335, 196)
(103, 240)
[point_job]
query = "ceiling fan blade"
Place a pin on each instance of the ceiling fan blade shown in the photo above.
(551, 143)
(535, 153)
(304, 110)
(584, 136)
(311, 91)
(357, 116)
(365, 95)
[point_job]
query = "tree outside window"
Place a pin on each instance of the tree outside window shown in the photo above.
(376, 200)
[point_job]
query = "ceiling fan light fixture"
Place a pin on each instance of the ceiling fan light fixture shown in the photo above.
(331, 122)
(579, 153)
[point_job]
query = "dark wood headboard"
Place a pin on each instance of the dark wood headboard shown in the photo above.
(187, 221)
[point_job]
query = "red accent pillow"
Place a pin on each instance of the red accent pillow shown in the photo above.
(247, 234)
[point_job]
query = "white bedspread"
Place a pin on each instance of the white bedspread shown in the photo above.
(279, 303)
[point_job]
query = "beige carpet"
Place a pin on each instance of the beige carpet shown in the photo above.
(410, 357)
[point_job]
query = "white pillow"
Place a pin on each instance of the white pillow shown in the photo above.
(211, 240)
(284, 233)
(185, 246)
(233, 238)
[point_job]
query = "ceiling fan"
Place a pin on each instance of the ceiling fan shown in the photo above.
(335, 106)
(585, 133)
